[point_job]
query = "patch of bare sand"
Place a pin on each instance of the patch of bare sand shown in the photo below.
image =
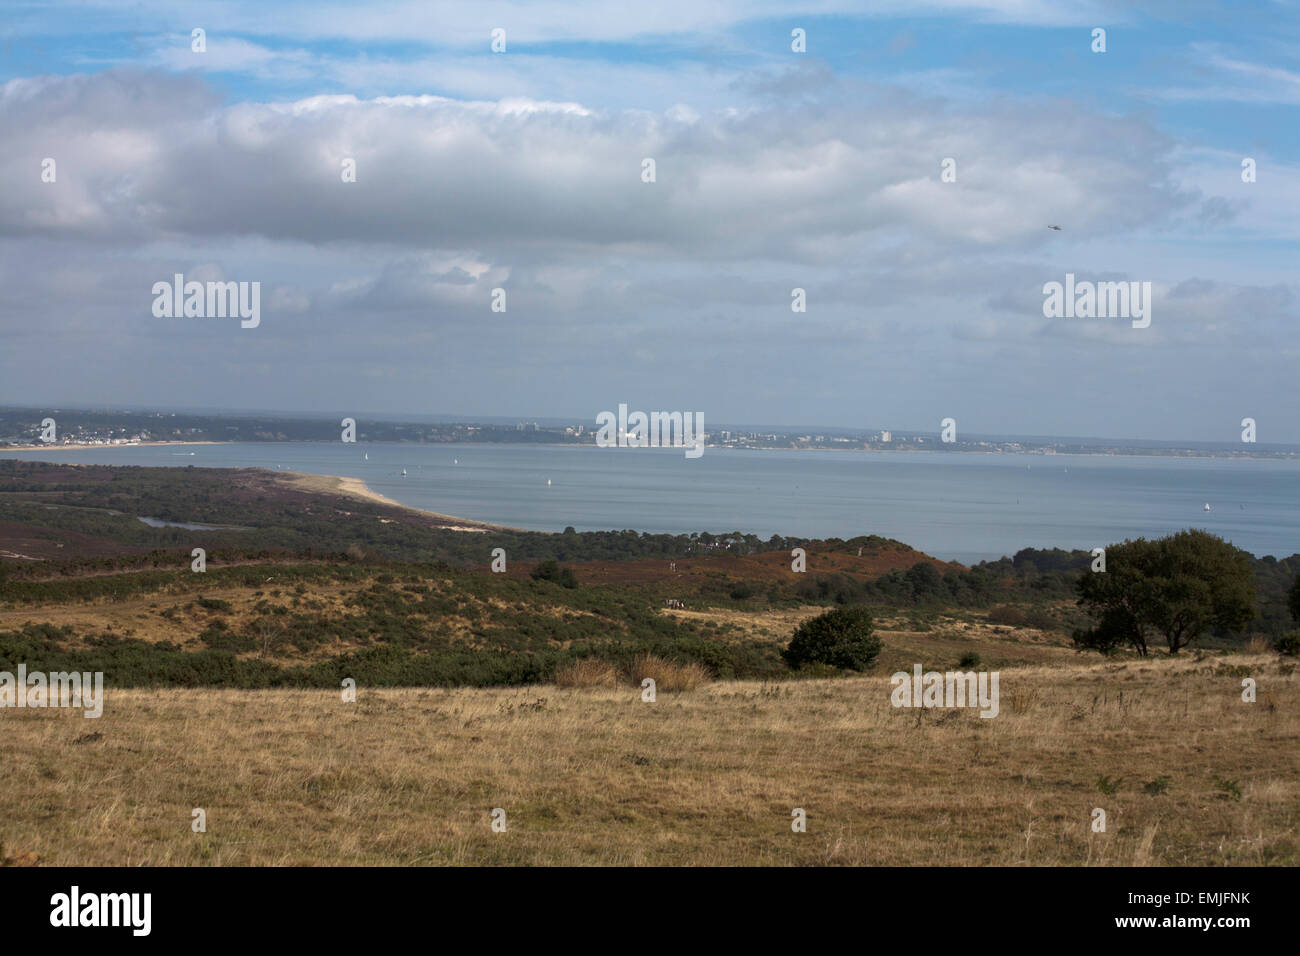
(357, 489)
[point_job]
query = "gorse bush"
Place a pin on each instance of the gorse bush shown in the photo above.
(1040, 619)
(843, 637)
(1007, 616)
(550, 570)
(1288, 644)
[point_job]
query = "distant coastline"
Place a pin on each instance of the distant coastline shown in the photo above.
(1192, 454)
(83, 446)
(88, 428)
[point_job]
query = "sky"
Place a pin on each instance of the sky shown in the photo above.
(774, 170)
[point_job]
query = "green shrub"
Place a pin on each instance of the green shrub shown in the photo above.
(1039, 619)
(742, 590)
(1107, 785)
(1006, 615)
(842, 638)
(1156, 787)
(1228, 789)
(1288, 644)
(219, 638)
(550, 570)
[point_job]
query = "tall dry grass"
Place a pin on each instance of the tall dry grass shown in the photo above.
(670, 676)
(596, 775)
(587, 672)
(1259, 645)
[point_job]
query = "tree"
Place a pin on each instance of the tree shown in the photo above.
(270, 633)
(1293, 599)
(1176, 588)
(925, 580)
(841, 638)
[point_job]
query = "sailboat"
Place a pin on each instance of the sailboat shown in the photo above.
(403, 472)
(1207, 506)
(367, 456)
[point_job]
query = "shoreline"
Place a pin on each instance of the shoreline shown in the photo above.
(1285, 457)
(358, 490)
(354, 488)
(135, 444)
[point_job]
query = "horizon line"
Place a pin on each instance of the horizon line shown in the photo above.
(557, 420)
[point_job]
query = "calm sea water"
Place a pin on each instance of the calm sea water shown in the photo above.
(956, 506)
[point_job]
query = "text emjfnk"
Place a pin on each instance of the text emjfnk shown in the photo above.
(656, 430)
(212, 300)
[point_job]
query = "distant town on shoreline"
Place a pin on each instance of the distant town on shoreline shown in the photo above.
(22, 428)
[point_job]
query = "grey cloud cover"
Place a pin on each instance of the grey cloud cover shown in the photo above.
(921, 294)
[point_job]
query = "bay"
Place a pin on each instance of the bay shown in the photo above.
(956, 506)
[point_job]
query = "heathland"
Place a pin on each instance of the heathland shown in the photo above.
(519, 690)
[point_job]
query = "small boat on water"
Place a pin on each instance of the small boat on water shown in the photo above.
(403, 472)
(1207, 506)
(367, 456)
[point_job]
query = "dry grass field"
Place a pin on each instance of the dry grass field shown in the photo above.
(593, 775)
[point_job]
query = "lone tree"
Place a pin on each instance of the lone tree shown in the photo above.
(841, 638)
(1175, 588)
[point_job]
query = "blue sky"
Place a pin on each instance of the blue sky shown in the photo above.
(775, 170)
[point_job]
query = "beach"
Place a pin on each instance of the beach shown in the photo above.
(357, 489)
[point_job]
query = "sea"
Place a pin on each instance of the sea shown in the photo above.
(957, 506)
